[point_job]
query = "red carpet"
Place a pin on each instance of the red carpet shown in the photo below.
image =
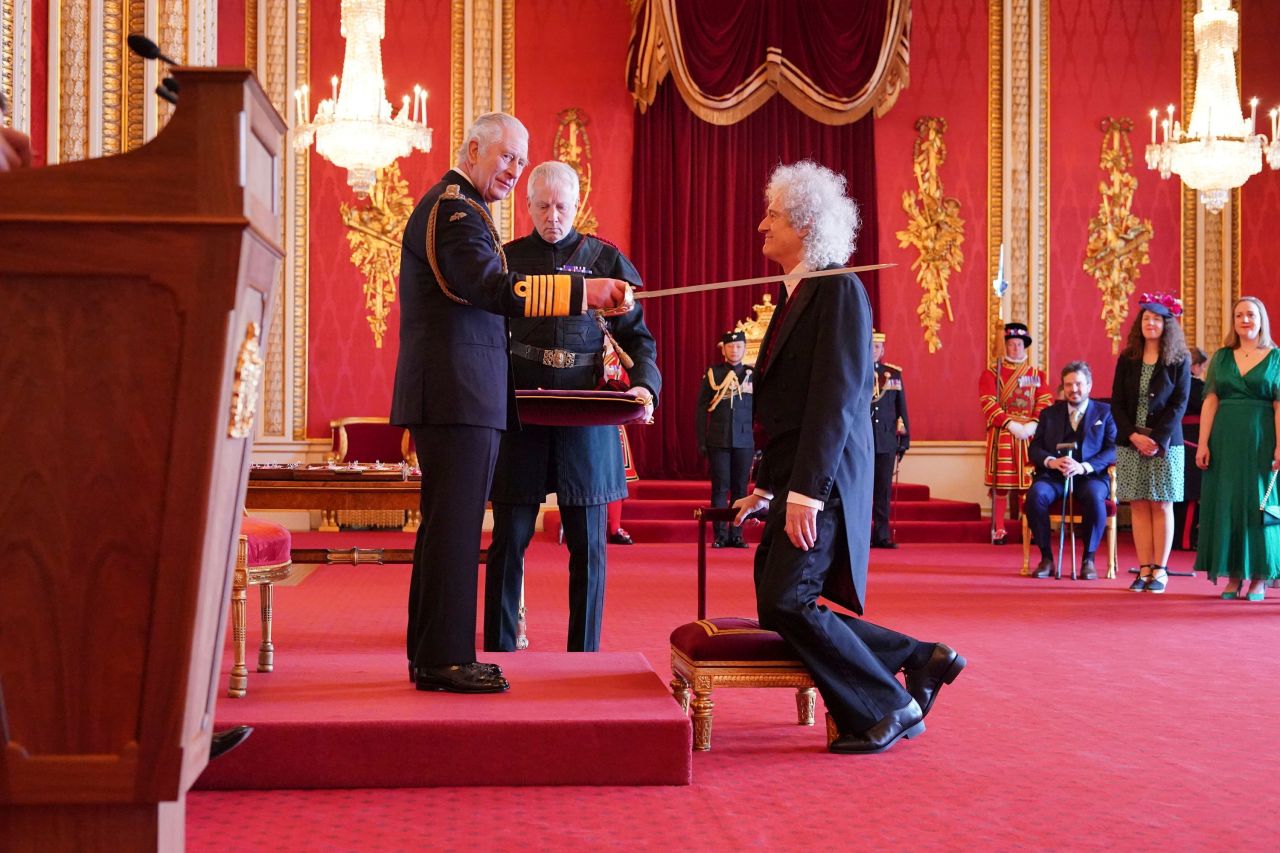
(339, 712)
(662, 511)
(1090, 718)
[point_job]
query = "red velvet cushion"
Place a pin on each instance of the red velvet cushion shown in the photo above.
(373, 443)
(269, 543)
(577, 408)
(730, 638)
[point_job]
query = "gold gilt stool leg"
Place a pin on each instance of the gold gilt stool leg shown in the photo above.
(266, 651)
(680, 690)
(239, 583)
(702, 708)
(806, 699)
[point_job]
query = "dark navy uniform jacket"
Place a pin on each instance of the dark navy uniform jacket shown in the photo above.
(587, 465)
(729, 424)
(888, 408)
(454, 286)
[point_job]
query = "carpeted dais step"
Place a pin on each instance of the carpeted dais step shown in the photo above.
(936, 510)
(350, 719)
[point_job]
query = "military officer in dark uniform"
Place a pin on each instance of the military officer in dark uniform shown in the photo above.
(722, 426)
(453, 386)
(582, 465)
(889, 425)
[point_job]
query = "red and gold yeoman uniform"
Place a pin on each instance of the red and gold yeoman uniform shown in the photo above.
(1008, 391)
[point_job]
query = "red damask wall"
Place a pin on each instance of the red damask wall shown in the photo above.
(1260, 196)
(948, 79)
(347, 374)
(231, 27)
(1106, 59)
(573, 53)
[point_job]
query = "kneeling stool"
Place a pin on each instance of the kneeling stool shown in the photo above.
(729, 652)
(262, 558)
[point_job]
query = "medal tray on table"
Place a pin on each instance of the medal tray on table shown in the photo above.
(351, 472)
(272, 471)
(541, 407)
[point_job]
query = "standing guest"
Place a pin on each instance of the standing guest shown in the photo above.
(892, 434)
(1012, 394)
(1186, 512)
(722, 429)
(1238, 453)
(581, 464)
(815, 478)
(1148, 399)
(453, 388)
(1088, 426)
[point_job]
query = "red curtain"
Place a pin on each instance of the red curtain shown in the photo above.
(697, 196)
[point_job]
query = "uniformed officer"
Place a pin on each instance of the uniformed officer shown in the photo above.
(722, 426)
(453, 388)
(582, 465)
(891, 429)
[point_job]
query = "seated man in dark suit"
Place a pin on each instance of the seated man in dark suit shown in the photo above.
(1087, 425)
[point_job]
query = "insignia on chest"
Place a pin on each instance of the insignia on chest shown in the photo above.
(459, 215)
(1029, 381)
(572, 268)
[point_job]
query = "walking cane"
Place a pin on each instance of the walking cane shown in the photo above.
(893, 503)
(1068, 517)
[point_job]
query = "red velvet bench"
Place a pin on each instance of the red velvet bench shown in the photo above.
(262, 558)
(729, 652)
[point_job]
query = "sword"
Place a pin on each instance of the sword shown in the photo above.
(629, 302)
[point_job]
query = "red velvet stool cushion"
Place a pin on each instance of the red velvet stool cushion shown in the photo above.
(269, 543)
(730, 638)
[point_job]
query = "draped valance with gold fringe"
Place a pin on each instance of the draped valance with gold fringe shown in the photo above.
(834, 60)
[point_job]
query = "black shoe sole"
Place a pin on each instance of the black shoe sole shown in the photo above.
(441, 687)
(908, 733)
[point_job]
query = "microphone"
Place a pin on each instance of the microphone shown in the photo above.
(146, 48)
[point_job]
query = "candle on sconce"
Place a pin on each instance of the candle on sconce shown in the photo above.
(297, 105)
(1275, 120)
(306, 101)
(1164, 126)
(404, 108)
(1169, 111)
(424, 107)
(1153, 127)
(334, 81)
(1253, 116)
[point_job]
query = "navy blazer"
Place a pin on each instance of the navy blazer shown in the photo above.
(812, 397)
(1097, 447)
(1167, 398)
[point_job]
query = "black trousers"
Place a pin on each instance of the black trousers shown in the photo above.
(730, 467)
(584, 534)
(881, 495)
(853, 662)
(1088, 498)
(457, 470)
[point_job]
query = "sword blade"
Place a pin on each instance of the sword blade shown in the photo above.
(764, 279)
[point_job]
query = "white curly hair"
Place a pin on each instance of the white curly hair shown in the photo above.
(813, 197)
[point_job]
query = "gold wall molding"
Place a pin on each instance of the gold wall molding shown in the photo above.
(299, 224)
(375, 229)
(15, 61)
(572, 147)
(1118, 239)
(69, 88)
(934, 228)
(1018, 168)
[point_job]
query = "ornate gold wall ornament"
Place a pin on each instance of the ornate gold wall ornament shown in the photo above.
(755, 329)
(375, 230)
(244, 388)
(1118, 239)
(934, 228)
(573, 148)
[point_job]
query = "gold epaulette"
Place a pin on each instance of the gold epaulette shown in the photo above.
(452, 191)
(891, 366)
(545, 295)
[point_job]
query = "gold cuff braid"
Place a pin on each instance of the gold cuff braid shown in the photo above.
(545, 295)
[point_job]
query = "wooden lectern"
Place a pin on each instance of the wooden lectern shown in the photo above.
(135, 297)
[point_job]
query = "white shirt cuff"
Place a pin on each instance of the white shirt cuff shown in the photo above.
(762, 493)
(1088, 469)
(804, 500)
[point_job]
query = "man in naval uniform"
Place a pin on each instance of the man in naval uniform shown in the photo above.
(722, 427)
(891, 429)
(453, 387)
(1012, 393)
(582, 465)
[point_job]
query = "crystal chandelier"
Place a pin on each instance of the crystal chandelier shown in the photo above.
(1219, 150)
(354, 129)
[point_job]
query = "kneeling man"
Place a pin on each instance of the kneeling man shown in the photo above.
(1076, 439)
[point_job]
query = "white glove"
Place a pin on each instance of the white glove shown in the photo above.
(1030, 429)
(1015, 429)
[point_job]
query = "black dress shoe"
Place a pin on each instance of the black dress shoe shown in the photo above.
(1088, 571)
(492, 668)
(620, 537)
(905, 722)
(1044, 569)
(460, 678)
(718, 543)
(223, 742)
(884, 543)
(738, 542)
(942, 668)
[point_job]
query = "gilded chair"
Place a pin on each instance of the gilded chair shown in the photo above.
(262, 559)
(370, 440)
(1056, 517)
(729, 652)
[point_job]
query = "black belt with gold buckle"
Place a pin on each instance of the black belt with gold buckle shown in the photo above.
(559, 358)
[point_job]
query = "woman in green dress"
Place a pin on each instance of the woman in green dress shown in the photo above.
(1238, 452)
